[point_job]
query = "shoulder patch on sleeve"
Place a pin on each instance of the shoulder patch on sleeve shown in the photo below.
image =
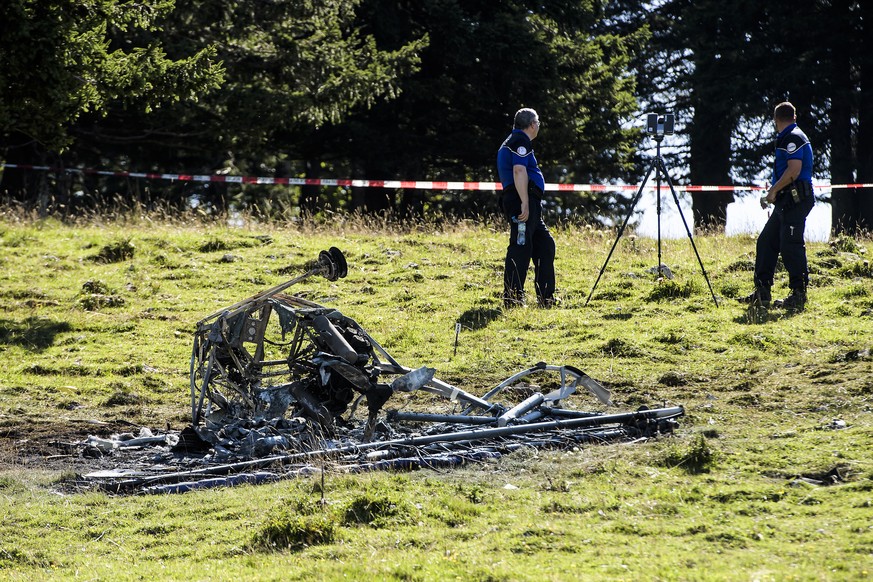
(791, 147)
(523, 150)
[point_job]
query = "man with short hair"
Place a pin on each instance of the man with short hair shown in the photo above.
(523, 186)
(792, 197)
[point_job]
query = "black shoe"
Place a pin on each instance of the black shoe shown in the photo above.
(796, 301)
(512, 300)
(547, 303)
(760, 297)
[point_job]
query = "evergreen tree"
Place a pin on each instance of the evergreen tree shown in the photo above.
(858, 215)
(148, 103)
(60, 63)
(724, 66)
(485, 61)
(291, 68)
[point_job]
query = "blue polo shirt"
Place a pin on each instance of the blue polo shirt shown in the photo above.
(517, 150)
(792, 144)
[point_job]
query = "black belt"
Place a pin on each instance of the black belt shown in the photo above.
(533, 191)
(795, 192)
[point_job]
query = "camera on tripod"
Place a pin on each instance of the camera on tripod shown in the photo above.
(660, 125)
(657, 126)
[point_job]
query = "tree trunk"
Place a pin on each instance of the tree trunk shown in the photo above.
(309, 194)
(710, 162)
(378, 200)
(19, 184)
(844, 202)
(864, 214)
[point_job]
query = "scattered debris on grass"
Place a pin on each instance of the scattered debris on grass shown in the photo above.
(276, 381)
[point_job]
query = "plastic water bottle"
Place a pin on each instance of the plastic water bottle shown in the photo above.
(522, 231)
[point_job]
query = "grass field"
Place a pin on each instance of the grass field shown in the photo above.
(770, 476)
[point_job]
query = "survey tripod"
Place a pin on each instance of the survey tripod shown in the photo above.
(660, 169)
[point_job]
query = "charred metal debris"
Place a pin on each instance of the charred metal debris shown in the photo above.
(276, 382)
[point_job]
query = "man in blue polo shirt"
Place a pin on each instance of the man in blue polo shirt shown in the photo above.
(792, 197)
(523, 186)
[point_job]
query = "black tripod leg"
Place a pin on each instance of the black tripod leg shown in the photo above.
(687, 230)
(621, 230)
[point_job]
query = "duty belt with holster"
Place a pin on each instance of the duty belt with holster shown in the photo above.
(794, 193)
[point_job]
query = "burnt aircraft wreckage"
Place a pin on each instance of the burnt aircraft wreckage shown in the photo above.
(276, 381)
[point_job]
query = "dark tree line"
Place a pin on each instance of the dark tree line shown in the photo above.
(723, 66)
(387, 89)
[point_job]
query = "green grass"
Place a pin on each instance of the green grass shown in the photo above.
(96, 324)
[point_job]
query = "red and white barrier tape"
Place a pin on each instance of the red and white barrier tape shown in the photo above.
(394, 184)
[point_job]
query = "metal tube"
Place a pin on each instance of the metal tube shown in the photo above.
(338, 345)
(532, 416)
(448, 418)
(524, 406)
(446, 390)
(565, 413)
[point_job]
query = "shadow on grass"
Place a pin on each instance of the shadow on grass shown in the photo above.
(619, 316)
(478, 318)
(760, 315)
(34, 333)
(694, 458)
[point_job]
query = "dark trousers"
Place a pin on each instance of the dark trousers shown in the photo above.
(539, 246)
(784, 233)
